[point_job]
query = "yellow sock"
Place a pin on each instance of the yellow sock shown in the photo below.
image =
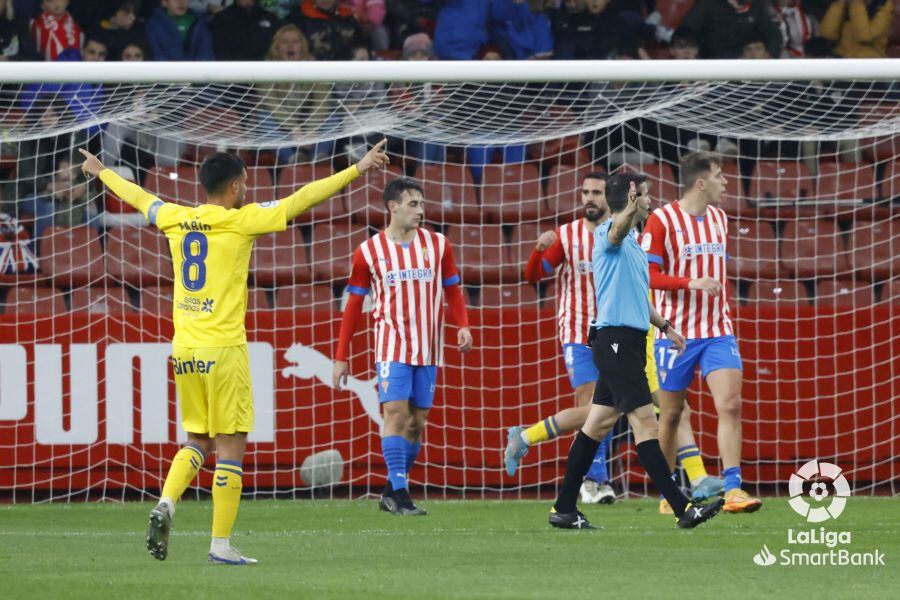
(226, 494)
(690, 459)
(182, 472)
(542, 431)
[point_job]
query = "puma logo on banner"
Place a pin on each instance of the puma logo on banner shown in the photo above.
(312, 364)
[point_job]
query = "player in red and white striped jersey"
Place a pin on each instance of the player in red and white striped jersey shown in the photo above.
(687, 249)
(568, 249)
(409, 270)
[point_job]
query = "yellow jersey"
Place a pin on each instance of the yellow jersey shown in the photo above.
(211, 247)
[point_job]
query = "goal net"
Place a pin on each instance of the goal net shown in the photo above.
(87, 399)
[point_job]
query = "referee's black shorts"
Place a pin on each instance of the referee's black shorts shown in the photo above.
(620, 354)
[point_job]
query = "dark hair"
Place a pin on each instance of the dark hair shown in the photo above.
(135, 41)
(219, 170)
(617, 189)
(754, 38)
(394, 189)
(96, 35)
(873, 7)
(685, 36)
(629, 49)
(115, 7)
(818, 47)
(695, 165)
(598, 175)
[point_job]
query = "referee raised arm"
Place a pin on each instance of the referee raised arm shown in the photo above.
(624, 314)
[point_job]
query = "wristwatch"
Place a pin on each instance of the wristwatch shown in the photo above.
(665, 328)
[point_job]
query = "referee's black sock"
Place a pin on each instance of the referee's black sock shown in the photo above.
(654, 462)
(581, 455)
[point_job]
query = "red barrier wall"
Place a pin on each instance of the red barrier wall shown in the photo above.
(818, 384)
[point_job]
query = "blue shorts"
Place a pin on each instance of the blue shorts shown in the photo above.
(400, 381)
(579, 361)
(677, 372)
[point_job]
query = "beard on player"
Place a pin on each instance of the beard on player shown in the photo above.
(592, 212)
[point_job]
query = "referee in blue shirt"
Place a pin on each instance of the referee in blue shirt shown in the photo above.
(624, 314)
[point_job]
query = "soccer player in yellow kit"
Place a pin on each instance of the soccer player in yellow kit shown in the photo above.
(211, 246)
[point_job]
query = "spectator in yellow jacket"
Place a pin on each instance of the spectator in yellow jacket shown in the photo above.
(861, 28)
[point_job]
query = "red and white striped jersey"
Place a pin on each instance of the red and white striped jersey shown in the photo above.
(689, 247)
(574, 280)
(54, 35)
(407, 283)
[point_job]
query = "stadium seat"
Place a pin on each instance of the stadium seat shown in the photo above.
(305, 297)
(450, 194)
(844, 292)
(734, 202)
(848, 182)
(332, 249)
(111, 202)
(775, 182)
(180, 185)
(524, 238)
(138, 255)
(890, 181)
(195, 154)
(513, 295)
(34, 300)
(753, 250)
(567, 151)
(71, 255)
(365, 200)
(280, 259)
(874, 114)
(875, 249)
(511, 193)
(783, 291)
(563, 199)
(293, 177)
(479, 252)
(548, 295)
(813, 249)
(890, 291)
(257, 299)
(157, 301)
(260, 187)
(109, 299)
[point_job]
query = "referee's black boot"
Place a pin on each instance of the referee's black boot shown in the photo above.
(698, 513)
(569, 520)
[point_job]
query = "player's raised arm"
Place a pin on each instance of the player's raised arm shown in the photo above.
(130, 193)
(317, 192)
(546, 256)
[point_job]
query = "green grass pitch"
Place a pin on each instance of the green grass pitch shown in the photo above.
(462, 549)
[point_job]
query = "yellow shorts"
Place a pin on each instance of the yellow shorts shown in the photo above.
(650, 370)
(214, 389)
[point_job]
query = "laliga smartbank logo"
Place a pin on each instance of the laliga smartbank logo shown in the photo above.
(812, 473)
(819, 493)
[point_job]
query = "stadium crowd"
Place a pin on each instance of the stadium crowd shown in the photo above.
(42, 189)
(446, 29)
